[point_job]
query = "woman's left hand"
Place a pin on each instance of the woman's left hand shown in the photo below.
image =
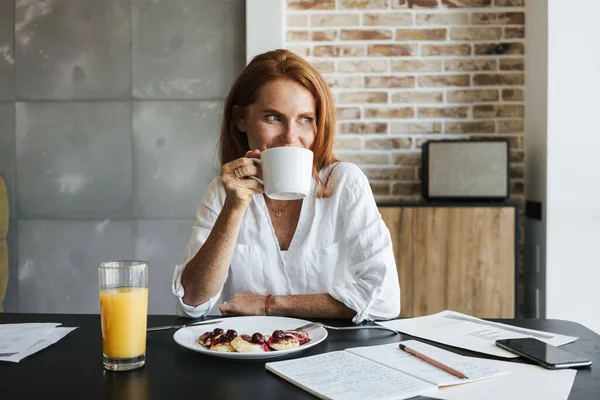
(244, 303)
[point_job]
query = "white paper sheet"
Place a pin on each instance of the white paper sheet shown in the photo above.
(391, 355)
(15, 338)
(466, 332)
(524, 382)
(342, 375)
(54, 336)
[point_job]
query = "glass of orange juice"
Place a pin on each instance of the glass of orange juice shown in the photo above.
(123, 313)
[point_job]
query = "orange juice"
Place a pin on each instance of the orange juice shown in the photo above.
(123, 314)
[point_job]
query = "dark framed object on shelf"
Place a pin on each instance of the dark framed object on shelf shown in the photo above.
(466, 170)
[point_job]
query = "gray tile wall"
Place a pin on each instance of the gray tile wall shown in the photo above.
(109, 121)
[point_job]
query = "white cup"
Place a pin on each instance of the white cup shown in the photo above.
(286, 172)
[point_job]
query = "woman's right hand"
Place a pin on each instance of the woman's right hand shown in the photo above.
(238, 187)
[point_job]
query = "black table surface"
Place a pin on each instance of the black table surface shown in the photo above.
(72, 368)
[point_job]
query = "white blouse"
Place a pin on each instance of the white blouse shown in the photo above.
(341, 246)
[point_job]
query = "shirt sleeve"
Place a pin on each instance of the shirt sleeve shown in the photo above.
(372, 289)
(206, 216)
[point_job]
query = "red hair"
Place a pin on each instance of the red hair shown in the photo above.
(267, 67)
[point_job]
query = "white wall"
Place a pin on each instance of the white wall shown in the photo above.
(265, 26)
(573, 164)
(536, 107)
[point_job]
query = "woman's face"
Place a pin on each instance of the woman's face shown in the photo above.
(283, 115)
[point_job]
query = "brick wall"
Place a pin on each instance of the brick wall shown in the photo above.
(405, 71)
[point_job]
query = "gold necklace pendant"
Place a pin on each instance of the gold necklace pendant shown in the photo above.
(278, 212)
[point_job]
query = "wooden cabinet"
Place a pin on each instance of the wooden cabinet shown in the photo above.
(461, 258)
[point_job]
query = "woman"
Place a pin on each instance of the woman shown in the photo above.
(326, 256)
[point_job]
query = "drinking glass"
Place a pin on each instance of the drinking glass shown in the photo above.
(123, 313)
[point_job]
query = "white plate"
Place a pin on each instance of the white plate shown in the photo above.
(187, 337)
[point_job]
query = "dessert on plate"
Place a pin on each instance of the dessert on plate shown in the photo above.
(251, 344)
(289, 339)
(230, 341)
(218, 340)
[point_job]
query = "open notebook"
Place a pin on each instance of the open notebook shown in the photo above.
(379, 372)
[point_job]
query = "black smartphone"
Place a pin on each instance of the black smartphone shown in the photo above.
(544, 354)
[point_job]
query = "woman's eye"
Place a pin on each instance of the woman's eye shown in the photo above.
(306, 120)
(272, 117)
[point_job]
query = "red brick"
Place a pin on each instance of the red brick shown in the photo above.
(339, 51)
(416, 127)
(366, 34)
(337, 81)
(515, 142)
(416, 65)
(399, 4)
(362, 97)
(472, 96)
(466, 3)
(324, 36)
(443, 80)
(389, 113)
(380, 188)
(512, 95)
(392, 19)
(297, 36)
(517, 157)
(311, 4)
(365, 158)
(418, 97)
(505, 18)
(442, 19)
(498, 79)
(348, 142)
(363, 127)
(407, 159)
(517, 188)
(509, 3)
(303, 51)
(446, 50)
(421, 34)
(514, 33)
(423, 3)
(443, 112)
(498, 111)
(481, 33)
(499, 48)
(390, 174)
(296, 20)
(391, 143)
(390, 81)
(334, 19)
(512, 64)
(471, 127)
(362, 4)
(413, 188)
(363, 65)
(516, 171)
(510, 126)
(323, 66)
(470, 64)
(348, 113)
(392, 50)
